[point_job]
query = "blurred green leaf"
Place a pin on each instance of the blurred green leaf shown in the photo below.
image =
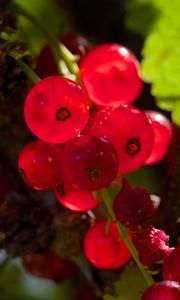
(160, 23)
(130, 286)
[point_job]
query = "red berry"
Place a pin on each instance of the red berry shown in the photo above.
(105, 251)
(128, 129)
(89, 162)
(110, 74)
(162, 136)
(75, 199)
(56, 109)
(133, 207)
(39, 164)
(171, 266)
(45, 64)
(49, 265)
(163, 290)
(152, 245)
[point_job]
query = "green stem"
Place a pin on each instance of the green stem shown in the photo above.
(59, 50)
(29, 72)
(124, 236)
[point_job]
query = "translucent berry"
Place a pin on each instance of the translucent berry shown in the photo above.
(133, 207)
(75, 199)
(45, 64)
(110, 74)
(56, 109)
(171, 266)
(162, 136)
(152, 245)
(163, 290)
(39, 165)
(128, 129)
(49, 265)
(89, 162)
(105, 250)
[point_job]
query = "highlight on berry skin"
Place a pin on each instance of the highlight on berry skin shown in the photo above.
(110, 74)
(103, 249)
(56, 109)
(39, 165)
(163, 290)
(162, 129)
(130, 132)
(89, 163)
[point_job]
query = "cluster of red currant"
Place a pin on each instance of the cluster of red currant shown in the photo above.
(89, 135)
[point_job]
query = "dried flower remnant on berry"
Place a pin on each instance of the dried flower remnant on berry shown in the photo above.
(133, 206)
(152, 245)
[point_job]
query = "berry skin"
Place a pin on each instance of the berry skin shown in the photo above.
(75, 199)
(163, 290)
(105, 251)
(50, 266)
(133, 207)
(110, 74)
(45, 64)
(171, 266)
(162, 136)
(128, 129)
(56, 109)
(39, 165)
(89, 163)
(152, 245)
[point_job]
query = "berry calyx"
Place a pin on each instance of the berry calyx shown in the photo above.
(110, 74)
(89, 162)
(163, 290)
(171, 266)
(39, 165)
(49, 265)
(122, 126)
(105, 250)
(75, 199)
(152, 245)
(56, 109)
(133, 207)
(162, 129)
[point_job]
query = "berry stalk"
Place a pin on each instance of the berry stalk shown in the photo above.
(58, 49)
(29, 72)
(124, 236)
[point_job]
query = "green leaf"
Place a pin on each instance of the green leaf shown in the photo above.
(130, 286)
(159, 21)
(176, 113)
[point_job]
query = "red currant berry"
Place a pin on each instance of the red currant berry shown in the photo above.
(133, 207)
(49, 265)
(45, 64)
(171, 266)
(129, 130)
(110, 74)
(162, 136)
(56, 109)
(105, 251)
(75, 199)
(164, 290)
(40, 165)
(89, 162)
